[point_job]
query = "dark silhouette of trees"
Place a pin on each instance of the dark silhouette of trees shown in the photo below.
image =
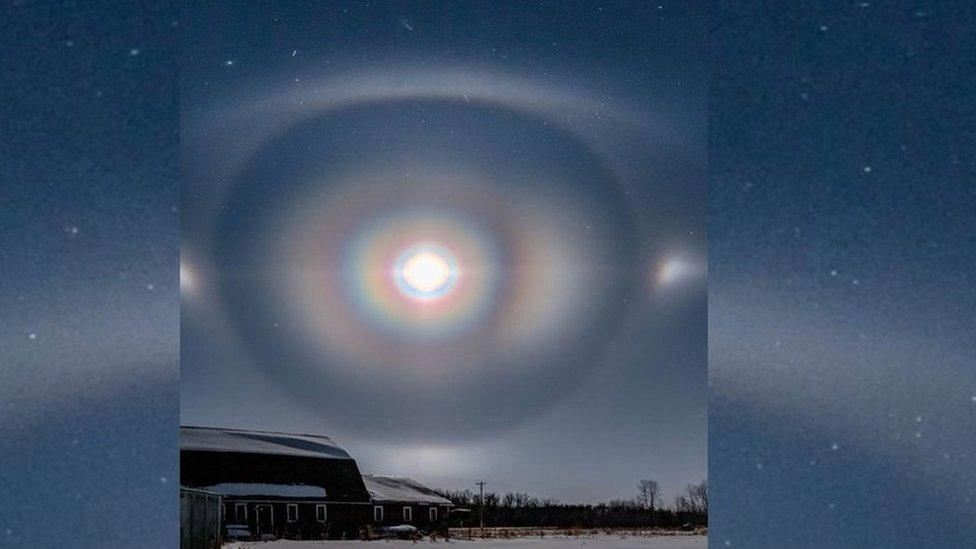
(647, 497)
(694, 501)
(518, 509)
(647, 493)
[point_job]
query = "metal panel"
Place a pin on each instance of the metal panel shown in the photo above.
(200, 519)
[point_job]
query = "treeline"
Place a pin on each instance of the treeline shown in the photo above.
(690, 510)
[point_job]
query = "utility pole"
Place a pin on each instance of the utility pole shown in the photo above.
(481, 510)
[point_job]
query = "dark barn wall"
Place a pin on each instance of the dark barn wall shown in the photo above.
(343, 520)
(340, 477)
(347, 503)
(393, 513)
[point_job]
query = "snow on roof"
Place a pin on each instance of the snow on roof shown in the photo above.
(206, 439)
(390, 489)
(267, 490)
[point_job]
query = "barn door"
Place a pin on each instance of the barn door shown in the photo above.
(264, 519)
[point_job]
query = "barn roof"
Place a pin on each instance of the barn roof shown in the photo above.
(394, 490)
(209, 439)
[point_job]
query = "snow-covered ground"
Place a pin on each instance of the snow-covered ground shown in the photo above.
(549, 542)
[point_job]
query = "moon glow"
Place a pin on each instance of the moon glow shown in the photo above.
(425, 273)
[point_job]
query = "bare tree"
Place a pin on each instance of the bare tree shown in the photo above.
(698, 494)
(647, 494)
(682, 504)
(694, 500)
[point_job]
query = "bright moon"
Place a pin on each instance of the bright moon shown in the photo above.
(426, 272)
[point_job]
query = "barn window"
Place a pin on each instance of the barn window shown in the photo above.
(378, 513)
(407, 513)
(292, 512)
(240, 513)
(433, 514)
(320, 513)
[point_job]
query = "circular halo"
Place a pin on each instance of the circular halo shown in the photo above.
(526, 236)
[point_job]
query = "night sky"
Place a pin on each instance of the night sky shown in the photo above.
(842, 393)
(89, 283)
(553, 154)
(842, 209)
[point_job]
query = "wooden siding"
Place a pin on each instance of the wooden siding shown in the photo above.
(393, 513)
(343, 521)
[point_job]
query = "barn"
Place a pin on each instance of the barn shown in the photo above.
(404, 501)
(277, 484)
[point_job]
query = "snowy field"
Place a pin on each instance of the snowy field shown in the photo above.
(549, 542)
